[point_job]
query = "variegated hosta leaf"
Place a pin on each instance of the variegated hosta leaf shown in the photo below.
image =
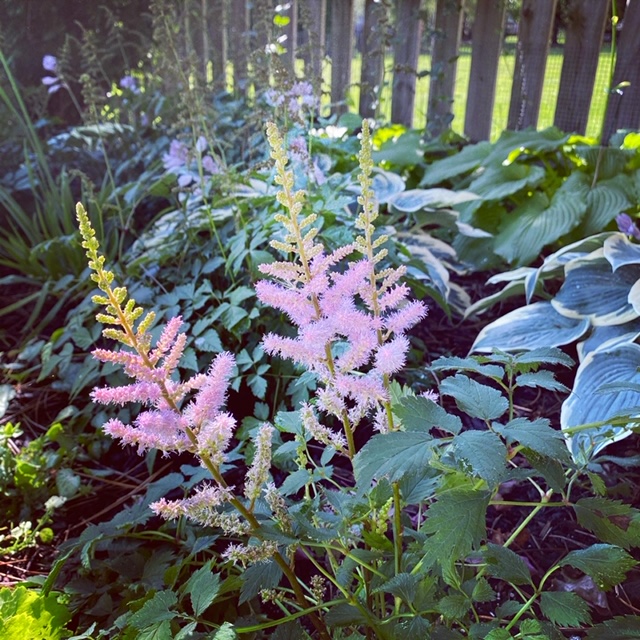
(586, 405)
(535, 325)
(592, 290)
(619, 250)
(384, 184)
(416, 199)
(608, 336)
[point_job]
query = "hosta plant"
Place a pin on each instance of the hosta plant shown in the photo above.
(597, 308)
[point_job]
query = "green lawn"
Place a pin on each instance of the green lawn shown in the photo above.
(503, 91)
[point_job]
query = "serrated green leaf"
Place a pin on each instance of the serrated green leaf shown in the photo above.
(225, 632)
(544, 355)
(536, 435)
(606, 564)
(498, 634)
(611, 520)
(457, 524)
(481, 454)
(482, 591)
(454, 607)
(262, 575)
(535, 325)
(505, 564)
(421, 414)
(157, 631)
(203, 588)
(564, 608)
(209, 341)
(551, 469)
(392, 455)
(475, 399)
(158, 608)
(402, 585)
(343, 615)
(619, 628)
(468, 364)
(542, 379)
(419, 485)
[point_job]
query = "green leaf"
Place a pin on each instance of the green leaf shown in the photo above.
(530, 327)
(262, 575)
(225, 632)
(605, 201)
(537, 223)
(609, 365)
(402, 585)
(498, 634)
(67, 483)
(468, 364)
(156, 631)
(544, 355)
(392, 455)
(499, 182)
(209, 341)
(564, 608)
(475, 399)
(611, 520)
(619, 628)
(592, 290)
(482, 591)
(606, 564)
(454, 607)
(536, 435)
(481, 454)
(505, 564)
(344, 615)
(457, 524)
(466, 160)
(542, 379)
(157, 609)
(203, 587)
(420, 414)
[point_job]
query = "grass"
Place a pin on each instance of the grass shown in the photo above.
(503, 91)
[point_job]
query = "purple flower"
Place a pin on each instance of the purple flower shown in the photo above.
(129, 82)
(50, 63)
(177, 156)
(627, 225)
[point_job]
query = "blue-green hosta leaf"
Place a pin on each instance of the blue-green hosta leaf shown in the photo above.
(607, 564)
(481, 454)
(536, 223)
(392, 455)
(619, 250)
(604, 202)
(386, 185)
(592, 290)
(612, 521)
(505, 564)
(535, 325)
(564, 608)
(437, 198)
(585, 405)
(499, 182)
(608, 336)
(456, 522)
(420, 246)
(475, 399)
(466, 160)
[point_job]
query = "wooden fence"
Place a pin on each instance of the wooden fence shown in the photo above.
(243, 35)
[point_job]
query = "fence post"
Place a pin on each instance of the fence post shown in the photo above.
(341, 52)
(488, 28)
(444, 62)
(219, 41)
(291, 31)
(238, 42)
(373, 45)
(534, 37)
(623, 110)
(313, 16)
(405, 58)
(585, 29)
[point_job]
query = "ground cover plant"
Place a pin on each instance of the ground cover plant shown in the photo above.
(309, 450)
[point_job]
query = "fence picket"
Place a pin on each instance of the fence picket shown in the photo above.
(341, 52)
